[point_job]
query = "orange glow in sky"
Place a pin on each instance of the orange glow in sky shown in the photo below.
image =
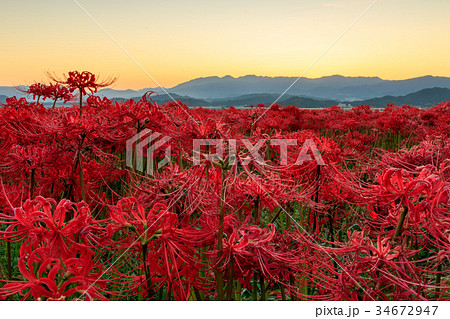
(176, 41)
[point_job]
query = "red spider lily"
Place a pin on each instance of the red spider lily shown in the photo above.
(381, 252)
(38, 224)
(17, 103)
(82, 81)
(253, 248)
(54, 91)
(54, 279)
(37, 90)
(162, 243)
(397, 184)
(59, 92)
(126, 216)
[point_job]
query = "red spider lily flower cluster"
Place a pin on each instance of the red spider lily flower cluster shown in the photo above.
(52, 91)
(77, 223)
(56, 239)
(82, 81)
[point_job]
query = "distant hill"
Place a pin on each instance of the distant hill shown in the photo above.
(10, 91)
(164, 98)
(3, 99)
(246, 100)
(123, 94)
(308, 102)
(423, 98)
(190, 101)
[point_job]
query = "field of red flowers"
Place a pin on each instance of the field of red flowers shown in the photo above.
(76, 223)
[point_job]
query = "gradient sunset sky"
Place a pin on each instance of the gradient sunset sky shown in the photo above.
(176, 40)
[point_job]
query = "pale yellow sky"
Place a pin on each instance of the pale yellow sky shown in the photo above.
(177, 40)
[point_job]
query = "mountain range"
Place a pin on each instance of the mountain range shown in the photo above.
(325, 91)
(334, 87)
